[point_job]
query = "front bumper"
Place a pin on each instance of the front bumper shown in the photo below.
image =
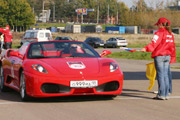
(40, 86)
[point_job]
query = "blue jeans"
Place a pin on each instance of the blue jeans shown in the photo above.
(162, 67)
(170, 80)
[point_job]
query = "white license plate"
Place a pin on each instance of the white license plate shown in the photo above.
(84, 84)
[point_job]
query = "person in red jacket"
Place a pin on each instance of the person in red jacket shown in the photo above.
(164, 52)
(7, 37)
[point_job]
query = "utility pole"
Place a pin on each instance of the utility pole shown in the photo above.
(108, 15)
(98, 14)
(117, 17)
(43, 11)
(82, 18)
(54, 11)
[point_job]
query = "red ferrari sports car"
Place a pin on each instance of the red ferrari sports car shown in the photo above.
(59, 68)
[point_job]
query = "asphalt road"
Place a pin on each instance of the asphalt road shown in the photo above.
(135, 102)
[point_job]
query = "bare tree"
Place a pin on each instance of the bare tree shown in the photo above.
(159, 4)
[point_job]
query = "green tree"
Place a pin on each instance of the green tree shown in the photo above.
(17, 13)
(3, 12)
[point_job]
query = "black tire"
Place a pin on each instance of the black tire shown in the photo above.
(105, 46)
(114, 46)
(2, 87)
(23, 93)
(94, 46)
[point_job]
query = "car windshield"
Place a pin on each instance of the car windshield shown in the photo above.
(63, 38)
(66, 38)
(60, 49)
(120, 38)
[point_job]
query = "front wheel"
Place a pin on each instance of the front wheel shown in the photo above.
(23, 93)
(2, 87)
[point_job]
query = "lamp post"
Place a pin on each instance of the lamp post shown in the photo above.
(98, 12)
(54, 11)
(108, 15)
(43, 11)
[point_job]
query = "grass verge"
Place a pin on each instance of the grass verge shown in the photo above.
(138, 55)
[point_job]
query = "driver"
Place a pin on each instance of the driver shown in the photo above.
(74, 48)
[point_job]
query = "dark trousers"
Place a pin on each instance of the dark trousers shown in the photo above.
(8, 45)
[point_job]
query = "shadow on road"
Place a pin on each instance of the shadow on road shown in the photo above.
(135, 93)
(14, 96)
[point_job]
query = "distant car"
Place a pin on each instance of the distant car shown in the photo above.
(95, 42)
(116, 42)
(63, 38)
(59, 68)
(36, 35)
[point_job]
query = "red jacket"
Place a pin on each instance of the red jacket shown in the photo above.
(162, 44)
(7, 35)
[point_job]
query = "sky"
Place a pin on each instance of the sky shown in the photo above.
(129, 3)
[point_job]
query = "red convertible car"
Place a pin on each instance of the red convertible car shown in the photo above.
(59, 68)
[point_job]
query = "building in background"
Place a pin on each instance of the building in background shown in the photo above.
(44, 16)
(175, 6)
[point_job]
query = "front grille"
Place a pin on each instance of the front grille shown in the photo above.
(83, 90)
(54, 88)
(108, 87)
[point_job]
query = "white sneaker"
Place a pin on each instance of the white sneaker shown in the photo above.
(155, 92)
(167, 97)
(159, 98)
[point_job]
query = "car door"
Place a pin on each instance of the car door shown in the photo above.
(16, 63)
(108, 42)
(115, 42)
(41, 36)
(10, 66)
(111, 42)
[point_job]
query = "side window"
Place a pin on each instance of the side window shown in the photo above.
(41, 35)
(35, 34)
(32, 35)
(27, 35)
(47, 34)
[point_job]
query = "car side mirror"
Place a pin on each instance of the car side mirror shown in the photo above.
(105, 52)
(16, 53)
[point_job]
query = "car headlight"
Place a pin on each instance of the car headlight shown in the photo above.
(113, 67)
(39, 68)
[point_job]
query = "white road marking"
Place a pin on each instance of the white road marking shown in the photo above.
(135, 98)
(3, 103)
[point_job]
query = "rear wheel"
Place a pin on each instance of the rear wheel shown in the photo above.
(114, 46)
(94, 45)
(23, 94)
(2, 87)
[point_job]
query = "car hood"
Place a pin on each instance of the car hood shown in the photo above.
(74, 66)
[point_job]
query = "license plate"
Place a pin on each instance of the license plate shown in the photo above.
(84, 84)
